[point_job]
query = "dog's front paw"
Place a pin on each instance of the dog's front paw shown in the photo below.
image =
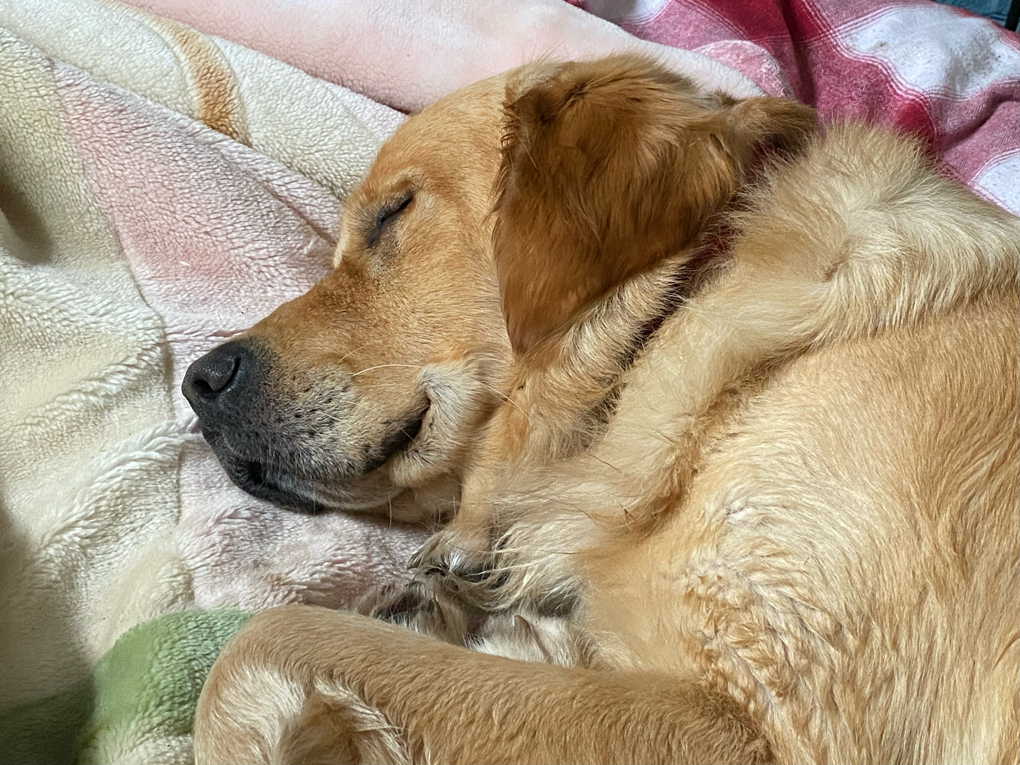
(465, 568)
(419, 606)
(450, 553)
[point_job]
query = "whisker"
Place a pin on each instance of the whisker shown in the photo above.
(343, 358)
(385, 366)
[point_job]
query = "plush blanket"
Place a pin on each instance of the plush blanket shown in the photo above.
(162, 189)
(159, 193)
(931, 69)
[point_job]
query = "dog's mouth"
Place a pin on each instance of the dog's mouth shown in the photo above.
(296, 490)
(253, 477)
(398, 441)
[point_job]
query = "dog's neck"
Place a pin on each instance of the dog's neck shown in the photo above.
(564, 390)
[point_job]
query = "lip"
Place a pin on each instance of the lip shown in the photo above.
(399, 439)
(253, 476)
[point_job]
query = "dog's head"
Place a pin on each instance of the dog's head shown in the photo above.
(487, 224)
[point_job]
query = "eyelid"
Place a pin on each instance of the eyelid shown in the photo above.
(387, 214)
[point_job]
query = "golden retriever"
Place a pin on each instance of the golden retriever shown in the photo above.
(723, 408)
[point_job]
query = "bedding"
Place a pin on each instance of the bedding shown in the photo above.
(158, 195)
(163, 188)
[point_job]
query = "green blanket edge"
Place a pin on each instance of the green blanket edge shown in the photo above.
(144, 688)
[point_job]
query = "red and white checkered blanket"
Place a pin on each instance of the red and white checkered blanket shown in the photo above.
(931, 69)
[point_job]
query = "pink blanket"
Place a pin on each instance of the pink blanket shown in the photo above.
(925, 67)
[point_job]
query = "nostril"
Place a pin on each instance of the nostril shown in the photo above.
(211, 375)
(212, 379)
(202, 388)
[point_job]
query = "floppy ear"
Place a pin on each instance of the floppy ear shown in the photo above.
(763, 123)
(608, 167)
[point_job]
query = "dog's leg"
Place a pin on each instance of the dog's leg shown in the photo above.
(305, 684)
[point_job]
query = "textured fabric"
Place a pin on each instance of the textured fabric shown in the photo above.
(408, 53)
(148, 211)
(136, 706)
(144, 691)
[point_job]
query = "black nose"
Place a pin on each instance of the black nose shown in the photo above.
(218, 377)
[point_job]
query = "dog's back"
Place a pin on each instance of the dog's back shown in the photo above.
(844, 560)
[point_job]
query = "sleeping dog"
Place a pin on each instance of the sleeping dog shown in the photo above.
(721, 409)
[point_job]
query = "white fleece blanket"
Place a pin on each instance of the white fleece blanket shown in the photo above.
(162, 193)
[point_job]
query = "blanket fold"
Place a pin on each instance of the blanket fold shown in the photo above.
(148, 212)
(926, 68)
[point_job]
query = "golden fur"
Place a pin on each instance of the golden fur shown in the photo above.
(745, 491)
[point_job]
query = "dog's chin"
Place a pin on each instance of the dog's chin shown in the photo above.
(362, 489)
(360, 494)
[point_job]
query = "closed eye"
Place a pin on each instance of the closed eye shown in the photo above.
(387, 215)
